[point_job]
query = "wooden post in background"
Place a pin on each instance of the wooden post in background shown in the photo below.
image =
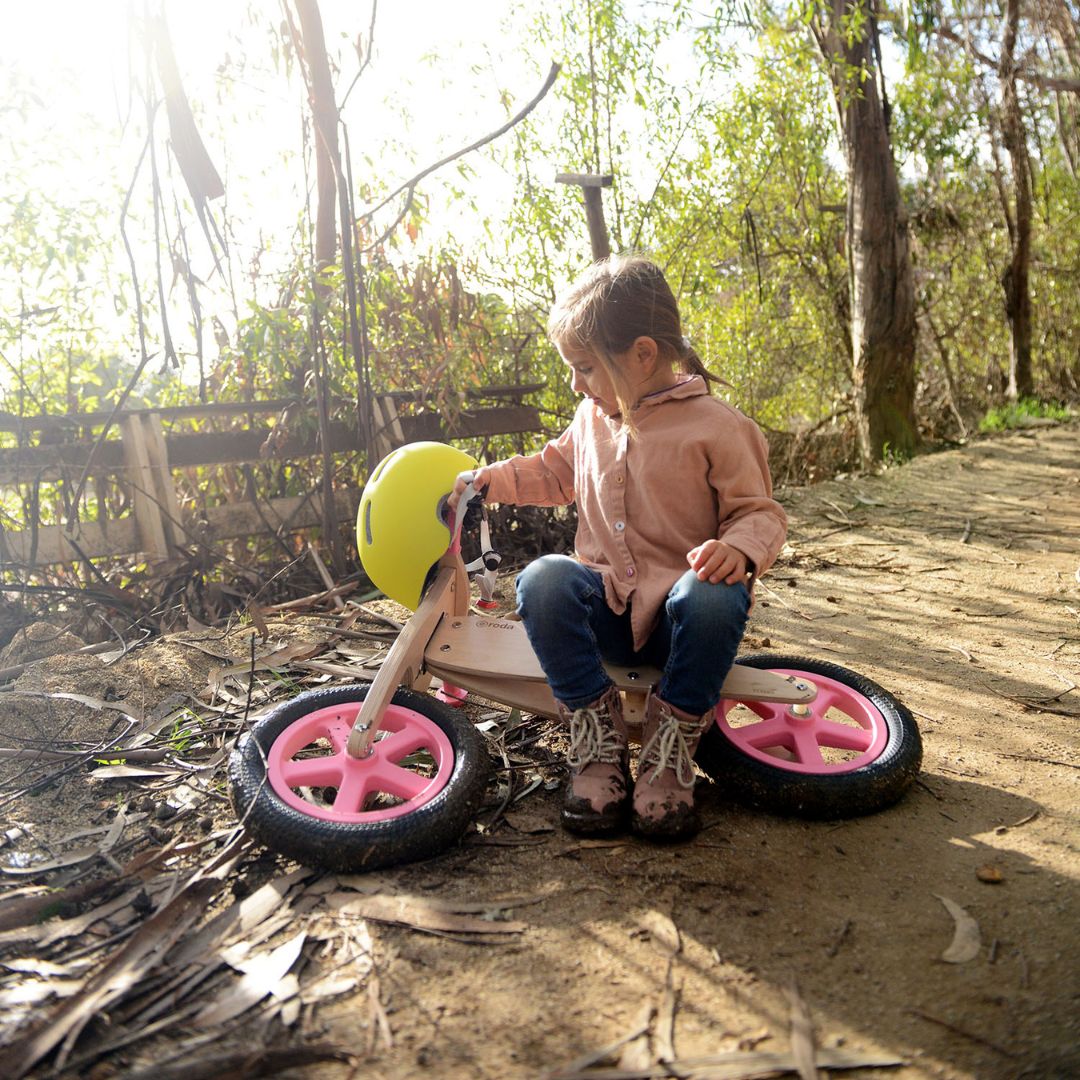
(140, 476)
(164, 487)
(590, 184)
(153, 495)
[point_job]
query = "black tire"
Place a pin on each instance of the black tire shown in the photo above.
(865, 790)
(354, 847)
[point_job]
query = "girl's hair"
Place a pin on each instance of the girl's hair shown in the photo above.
(615, 302)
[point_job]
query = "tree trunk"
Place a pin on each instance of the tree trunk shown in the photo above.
(1064, 29)
(324, 112)
(1015, 278)
(327, 170)
(879, 258)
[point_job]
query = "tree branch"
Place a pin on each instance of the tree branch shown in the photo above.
(367, 57)
(1043, 82)
(516, 119)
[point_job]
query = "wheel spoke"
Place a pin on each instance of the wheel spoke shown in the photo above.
(312, 772)
(806, 749)
(337, 732)
(772, 732)
(400, 744)
(767, 710)
(843, 736)
(353, 791)
(402, 783)
(823, 702)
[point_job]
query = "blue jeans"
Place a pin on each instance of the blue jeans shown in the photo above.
(572, 631)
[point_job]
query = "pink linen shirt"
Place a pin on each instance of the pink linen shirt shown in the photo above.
(696, 469)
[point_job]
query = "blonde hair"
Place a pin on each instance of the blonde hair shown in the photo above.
(616, 301)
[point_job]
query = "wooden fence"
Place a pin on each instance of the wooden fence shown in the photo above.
(141, 456)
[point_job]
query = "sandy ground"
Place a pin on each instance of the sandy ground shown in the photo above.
(952, 581)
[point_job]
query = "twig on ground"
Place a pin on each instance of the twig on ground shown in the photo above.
(327, 580)
(960, 1031)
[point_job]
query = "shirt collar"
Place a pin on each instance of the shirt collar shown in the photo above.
(685, 386)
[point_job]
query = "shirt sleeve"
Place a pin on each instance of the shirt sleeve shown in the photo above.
(543, 479)
(750, 519)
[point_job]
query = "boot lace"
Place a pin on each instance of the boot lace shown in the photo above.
(668, 747)
(593, 738)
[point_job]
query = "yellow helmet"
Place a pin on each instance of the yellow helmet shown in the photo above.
(399, 527)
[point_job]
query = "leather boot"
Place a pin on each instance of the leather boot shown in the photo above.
(664, 792)
(597, 800)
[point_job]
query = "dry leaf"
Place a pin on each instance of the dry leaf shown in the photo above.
(257, 615)
(380, 1022)
(333, 985)
(262, 975)
(737, 1064)
(990, 874)
(240, 918)
(419, 914)
(71, 858)
(278, 658)
(287, 992)
(662, 930)
(125, 772)
(36, 991)
(57, 930)
(30, 965)
(80, 699)
(525, 822)
(637, 1055)
(803, 1042)
(664, 1028)
(135, 959)
(966, 941)
(374, 885)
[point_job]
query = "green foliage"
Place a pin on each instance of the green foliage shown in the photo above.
(892, 456)
(727, 170)
(58, 295)
(957, 187)
(1019, 414)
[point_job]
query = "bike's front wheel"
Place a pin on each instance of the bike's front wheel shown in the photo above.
(854, 750)
(295, 787)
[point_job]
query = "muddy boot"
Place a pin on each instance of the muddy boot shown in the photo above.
(597, 800)
(664, 792)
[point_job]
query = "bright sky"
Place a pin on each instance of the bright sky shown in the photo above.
(77, 55)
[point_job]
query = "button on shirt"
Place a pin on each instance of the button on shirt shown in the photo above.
(696, 469)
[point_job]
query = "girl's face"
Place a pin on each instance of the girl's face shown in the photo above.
(589, 378)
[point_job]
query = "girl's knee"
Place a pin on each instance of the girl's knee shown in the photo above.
(550, 579)
(694, 599)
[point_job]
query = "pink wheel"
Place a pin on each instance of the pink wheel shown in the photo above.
(409, 764)
(841, 729)
(854, 750)
(295, 788)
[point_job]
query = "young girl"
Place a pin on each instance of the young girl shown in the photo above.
(675, 519)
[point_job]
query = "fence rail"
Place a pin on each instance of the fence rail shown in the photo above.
(143, 457)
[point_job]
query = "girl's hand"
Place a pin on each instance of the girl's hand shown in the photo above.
(716, 561)
(479, 478)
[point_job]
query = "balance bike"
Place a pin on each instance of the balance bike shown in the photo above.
(354, 778)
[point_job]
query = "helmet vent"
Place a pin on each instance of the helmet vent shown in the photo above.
(382, 465)
(367, 524)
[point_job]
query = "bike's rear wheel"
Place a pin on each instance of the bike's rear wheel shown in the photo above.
(855, 750)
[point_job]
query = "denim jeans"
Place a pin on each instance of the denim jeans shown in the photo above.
(572, 631)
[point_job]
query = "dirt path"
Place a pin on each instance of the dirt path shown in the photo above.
(951, 581)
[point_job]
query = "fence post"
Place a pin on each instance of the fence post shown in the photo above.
(168, 503)
(141, 476)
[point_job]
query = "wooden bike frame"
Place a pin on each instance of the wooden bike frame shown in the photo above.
(491, 656)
